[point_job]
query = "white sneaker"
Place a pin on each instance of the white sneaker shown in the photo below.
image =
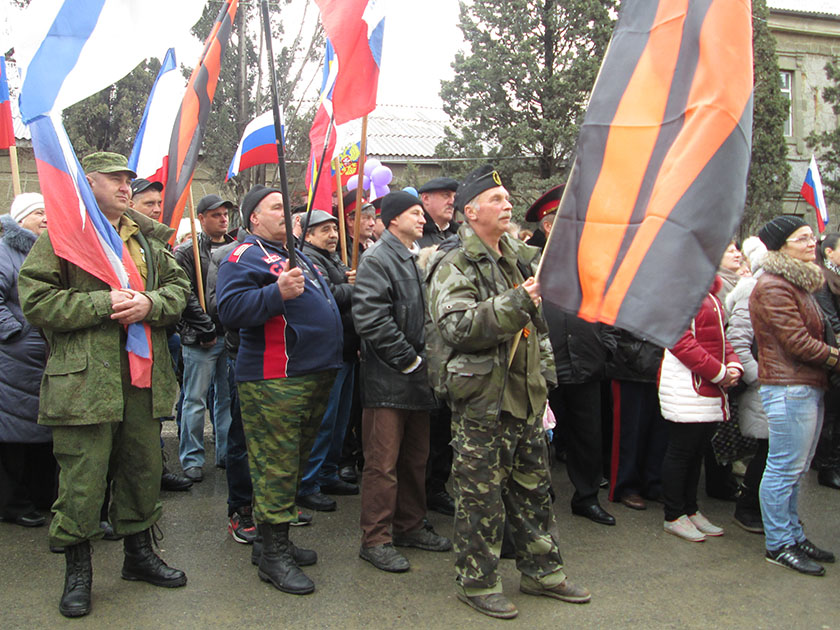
(684, 528)
(703, 524)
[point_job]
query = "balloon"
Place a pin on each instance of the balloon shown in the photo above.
(366, 183)
(382, 176)
(371, 165)
(412, 190)
(352, 182)
(380, 191)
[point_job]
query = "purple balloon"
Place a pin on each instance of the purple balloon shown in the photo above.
(371, 165)
(382, 176)
(366, 183)
(352, 182)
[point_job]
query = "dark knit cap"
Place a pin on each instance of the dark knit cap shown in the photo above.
(251, 200)
(481, 179)
(395, 203)
(776, 232)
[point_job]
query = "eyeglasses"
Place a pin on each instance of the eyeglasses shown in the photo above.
(803, 240)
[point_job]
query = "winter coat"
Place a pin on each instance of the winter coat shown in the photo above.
(581, 349)
(635, 359)
(433, 235)
(691, 370)
(277, 338)
(828, 297)
(477, 316)
(752, 420)
(789, 324)
(23, 351)
(389, 303)
(197, 325)
(82, 379)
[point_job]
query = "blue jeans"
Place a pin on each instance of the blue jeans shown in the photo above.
(203, 366)
(795, 414)
(322, 467)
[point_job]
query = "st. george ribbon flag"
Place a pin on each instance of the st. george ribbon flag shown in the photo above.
(188, 133)
(658, 184)
(812, 190)
(7, 127)
(257, 146)
(355, 28)
(68, 50)
(151, 146)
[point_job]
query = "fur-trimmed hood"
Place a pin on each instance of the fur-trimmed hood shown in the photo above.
(741, 292)
(15, 236)
(805, 275)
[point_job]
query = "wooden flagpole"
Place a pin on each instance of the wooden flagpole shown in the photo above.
(278, 139)
(357, 224)
(13, 162)
(199, 282)
(342, 229)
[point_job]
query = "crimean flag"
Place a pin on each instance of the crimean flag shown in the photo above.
(322, 133)
(151, 146)
(7, 128)
(658, 183)
(258, 144)
(355, 28)
(190, 123)
(348, 161)
(812, 190)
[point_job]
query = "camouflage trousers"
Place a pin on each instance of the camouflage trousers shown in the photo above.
(281, 418)
(501, 468)
(128, 453)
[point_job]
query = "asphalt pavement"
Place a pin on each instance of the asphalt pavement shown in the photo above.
(640, 577)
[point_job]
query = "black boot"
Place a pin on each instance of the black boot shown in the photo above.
(142, 563)
(172, 481)
(277, 564)
(75, 601)
(302, 557)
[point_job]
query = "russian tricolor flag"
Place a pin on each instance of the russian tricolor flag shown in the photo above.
(812, 190)
(257, 146)
(7, 128)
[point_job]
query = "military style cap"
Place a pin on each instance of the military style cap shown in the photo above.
(211, 202)
(106, 162)
(545, 205)
(251, 200)
(141, 185)
(377, 204)
(481, 179)
(350, 203)
(439, 183)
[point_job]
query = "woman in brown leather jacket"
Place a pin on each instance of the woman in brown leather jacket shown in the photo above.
(793, 362)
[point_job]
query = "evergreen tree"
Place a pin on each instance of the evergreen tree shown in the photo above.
(520, 92)
(829, 141)
(769, 174)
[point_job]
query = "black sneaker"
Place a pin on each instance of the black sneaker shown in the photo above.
(242, 527)
(303, 520)
(793, 558)
(749, 521)
(814, 552)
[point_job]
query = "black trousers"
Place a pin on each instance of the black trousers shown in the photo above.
(681, 467)
(439, 465)
(577, 409)
(27, 478)
(827, 456)
(748, 501)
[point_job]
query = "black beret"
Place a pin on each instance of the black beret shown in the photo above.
(439, 183)
(545, 205)
(251, 200)
(776, 231)
(481, 179)
(395, 203)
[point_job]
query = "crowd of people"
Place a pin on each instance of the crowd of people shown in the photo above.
(430, 377)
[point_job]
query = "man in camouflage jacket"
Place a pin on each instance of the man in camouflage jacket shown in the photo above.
(484, 306)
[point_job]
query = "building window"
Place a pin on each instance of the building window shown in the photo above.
(787, 92)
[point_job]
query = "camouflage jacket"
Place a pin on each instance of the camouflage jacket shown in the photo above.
(472, 320)
(83, 381)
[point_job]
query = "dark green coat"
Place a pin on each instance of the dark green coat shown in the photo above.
(476, 316)
(82, 381)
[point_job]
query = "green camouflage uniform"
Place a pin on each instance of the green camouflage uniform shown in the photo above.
(101, 423)
(281, 417)
(476, 309)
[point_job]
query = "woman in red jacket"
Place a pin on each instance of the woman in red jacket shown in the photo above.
(693, 380)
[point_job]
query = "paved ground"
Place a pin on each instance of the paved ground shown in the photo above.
(640, 577)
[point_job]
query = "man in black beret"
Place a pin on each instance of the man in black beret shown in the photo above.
(389, 311)
(438, 197)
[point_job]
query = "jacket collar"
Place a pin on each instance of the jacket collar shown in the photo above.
(475, 249)
(396, 244)
(16, 236)
(149, 227)
(805, 275)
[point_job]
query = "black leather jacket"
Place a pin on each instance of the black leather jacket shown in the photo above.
(389, 306)
(196, 326)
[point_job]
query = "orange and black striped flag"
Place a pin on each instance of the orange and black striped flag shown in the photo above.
(658, 184)
(188, 132)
